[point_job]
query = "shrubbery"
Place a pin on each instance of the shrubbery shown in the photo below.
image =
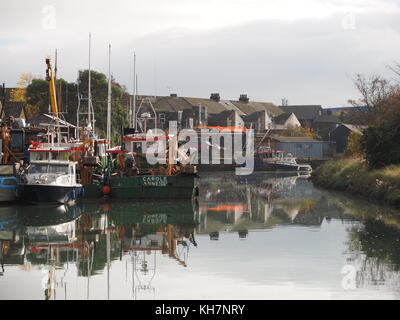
(354, 176)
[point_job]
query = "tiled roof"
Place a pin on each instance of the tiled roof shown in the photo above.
(293, 139)
(253, 117)
(282, 118)
(222, 115)
(252, 106)
(213, 107)
(327, 118)
(357, 129)
(171, 104)
(13, 108)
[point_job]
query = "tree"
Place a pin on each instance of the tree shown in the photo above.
(20, 93)
(381, 139)
(25, 79)
(37, 94)
(354, 145)
(370, 108)
(297, 131)
(99, 90)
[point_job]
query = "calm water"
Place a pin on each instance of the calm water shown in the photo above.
(262, 237)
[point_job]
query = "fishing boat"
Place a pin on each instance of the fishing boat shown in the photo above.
(62, 169)
(52, 182)
(134, 178)
(276, 160)
(8, 183)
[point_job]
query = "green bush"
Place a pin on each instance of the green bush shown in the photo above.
(354, 176)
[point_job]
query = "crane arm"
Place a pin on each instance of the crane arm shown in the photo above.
(52, 88)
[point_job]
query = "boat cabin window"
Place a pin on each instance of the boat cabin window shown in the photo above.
(46, 168)
(45, 155)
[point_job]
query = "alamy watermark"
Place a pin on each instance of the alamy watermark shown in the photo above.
(188, 146)
(349, 281)
(349, 21)
(49, 21)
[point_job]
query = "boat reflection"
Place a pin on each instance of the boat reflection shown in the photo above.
(125, 250)
(91, 235)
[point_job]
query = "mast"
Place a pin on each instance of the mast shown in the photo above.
(52, 88)
(134, 91)
(90, 104)
(109, 97)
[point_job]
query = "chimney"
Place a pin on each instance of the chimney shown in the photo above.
(173, 95)
(215, 97)
(243, 98)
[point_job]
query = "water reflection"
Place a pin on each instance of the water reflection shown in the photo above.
(91, 236)
(122, 249)
(229, 203)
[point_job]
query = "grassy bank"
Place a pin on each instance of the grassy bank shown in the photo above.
(353, 176)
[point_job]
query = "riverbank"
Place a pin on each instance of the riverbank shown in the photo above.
(353, 176)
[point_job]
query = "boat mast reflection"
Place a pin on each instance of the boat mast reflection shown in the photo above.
(91, 236)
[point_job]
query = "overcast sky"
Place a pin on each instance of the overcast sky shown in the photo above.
(307, 51)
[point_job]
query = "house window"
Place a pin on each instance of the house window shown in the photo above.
(161, 117)
(180, 116)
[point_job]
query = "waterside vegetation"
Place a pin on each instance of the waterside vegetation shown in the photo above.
(371, 164)
(354, 176)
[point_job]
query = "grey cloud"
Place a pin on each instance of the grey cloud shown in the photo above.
(306, 61)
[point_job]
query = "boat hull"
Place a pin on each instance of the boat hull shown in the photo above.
(8, 194)
(265, 166)
(286, 167)
(49, 194)
(91, 191)
(182, 186)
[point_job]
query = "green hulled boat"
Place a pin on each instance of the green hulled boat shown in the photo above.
(181, 186)
(182, 213)
(161, 182)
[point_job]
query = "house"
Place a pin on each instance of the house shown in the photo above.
(188, 112)
(173, 108)
(341, 134)
(6, 93)
(227, 118)
(152, 112)
(256, 115)
(325, 123)
(260, 121)
(205, 108)
(303, 147)
(14, 109)
(249, 107)
(306, 114)
(284, 121)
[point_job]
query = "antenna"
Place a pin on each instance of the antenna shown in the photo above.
(133, 120)
(89, 85)
(155, 77)
(55, 66)
(55, 76)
